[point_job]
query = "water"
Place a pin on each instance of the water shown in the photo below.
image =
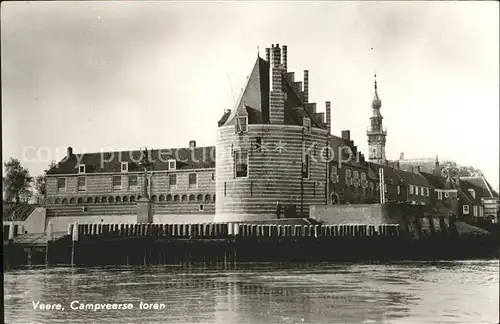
(438, 292)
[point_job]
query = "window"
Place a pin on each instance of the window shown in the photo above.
(385, 187)
(371, 185)
(201, 207)
(411, 189)
(258, 144)
(193, 180)
(363, 176)
(465, 209)
(117, 182)
(422, 191)
(356, 174)
(81, 168)
(241, 164)
(440, 195)
(416, 190)
(132, 181)
(427, 192)
(213, 175)
(446, 195)
(474, 209)
(334, 176)
(241, 124)
(481, 211)
(61, 184)
(172, 180)
(124, 166)
(399, 190)
(307, 124)
(172, 164)
(82, 183)
(348, 173)
(305, 167)
(472, 193)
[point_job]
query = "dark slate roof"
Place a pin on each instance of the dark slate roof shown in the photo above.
(400, 176)
(19, 212)
(480, 185)
(435, 181)
(425, 164)
(197, 158)
(254, 100)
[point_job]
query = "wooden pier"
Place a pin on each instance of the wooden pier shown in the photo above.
(228, 243)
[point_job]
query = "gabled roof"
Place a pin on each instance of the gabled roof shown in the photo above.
(400, 176)
(426, 164)
(437, 182)
(254, 100)
(197, 158)
(480, 185)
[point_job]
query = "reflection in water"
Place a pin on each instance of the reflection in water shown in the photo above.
(452, 292)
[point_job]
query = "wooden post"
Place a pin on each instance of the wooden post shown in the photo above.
(50, 238)
(74, 239)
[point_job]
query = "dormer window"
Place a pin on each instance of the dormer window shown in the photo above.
(172, 164)
(307, 125)
(472, 193)
(81, 168)
(241, 124)
(124, 166)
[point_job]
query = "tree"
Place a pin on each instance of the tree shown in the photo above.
(41, 184)
(463, 170)
(17, 182)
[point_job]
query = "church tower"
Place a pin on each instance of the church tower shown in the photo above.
(376, 133)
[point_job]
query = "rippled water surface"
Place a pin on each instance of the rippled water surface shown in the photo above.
(442, 292)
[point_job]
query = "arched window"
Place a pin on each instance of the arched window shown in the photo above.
(104, 199)
(214, 198)
(208, 197)
(80, 200)
(111, 199)
(184, 198)
(132, 198)
(169, 197)
(125, 198)
(64, 201)
(57, 201)
(200, 197)
(118, 199)
(139, 197)
(97, 200)
(162, 197)
(155, 198)
(192, 198)
(176, 198)
(89, 200)
(72, 200)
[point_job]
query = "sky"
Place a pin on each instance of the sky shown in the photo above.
(124, 75)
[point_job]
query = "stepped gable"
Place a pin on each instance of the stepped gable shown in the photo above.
(195, 158)
(253, 101)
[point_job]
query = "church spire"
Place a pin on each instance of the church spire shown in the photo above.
(377, 103)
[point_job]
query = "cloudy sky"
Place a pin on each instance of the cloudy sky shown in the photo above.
(122, 75)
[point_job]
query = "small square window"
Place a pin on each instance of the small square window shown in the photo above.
(81, 168)
(124, 166)
(132, 181)
(172, 164)
(201, 208)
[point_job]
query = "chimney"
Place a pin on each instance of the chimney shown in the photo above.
(268, 54)
(306, 86)
(70, 151)
(346, 135)
(276, 95)
(284, 57)
(402, 156)
(192, 144)
(328, 117)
